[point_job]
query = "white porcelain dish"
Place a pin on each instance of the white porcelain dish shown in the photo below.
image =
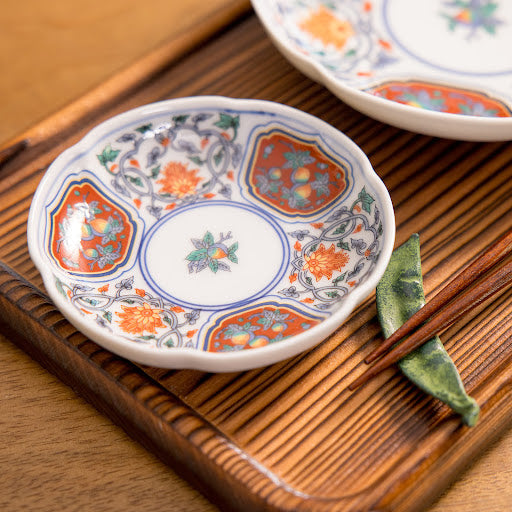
(210, 233)
(441, 68)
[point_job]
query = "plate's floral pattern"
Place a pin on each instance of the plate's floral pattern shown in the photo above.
(341, 36)
(294, 176)
(134, 312)
(332, 257)
(209, 252)
(331, 231)
(258, 326)
(323, 25)
(189, 159)
(91, 233)
(473, 15)
(442, 99)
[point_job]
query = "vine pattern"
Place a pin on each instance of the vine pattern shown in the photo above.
(343, 230)
(136, 312)
(205, 140)
(364, 51)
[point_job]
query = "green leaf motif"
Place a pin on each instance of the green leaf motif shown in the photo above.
(108, 155)
(488, 9)
(196, 160)
(340, 230)
(135, 180)
(144, 128)
(226, 121)
(214, 266)
(155, 171)
(339, 279)
(198, 255)
(180, 119)
(60, 287)
(366, 200)
(208, 239)
(107, 315)
(217, 158)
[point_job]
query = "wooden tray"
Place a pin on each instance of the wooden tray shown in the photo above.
(289, 436)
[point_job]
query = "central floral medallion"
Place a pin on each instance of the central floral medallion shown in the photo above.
(209, 253)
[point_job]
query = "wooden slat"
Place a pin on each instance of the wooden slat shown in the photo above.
(291, 436)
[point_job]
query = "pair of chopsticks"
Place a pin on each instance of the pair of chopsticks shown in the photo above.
(463, 293)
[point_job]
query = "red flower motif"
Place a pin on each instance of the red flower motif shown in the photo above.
(138, 319)
(323, 262)
(178, 180)
(325, 26)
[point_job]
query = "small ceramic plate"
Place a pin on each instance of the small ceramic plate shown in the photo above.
(437, 67)
(210, 233)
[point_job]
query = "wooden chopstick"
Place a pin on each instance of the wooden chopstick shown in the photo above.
(482, 264)
(443, 310)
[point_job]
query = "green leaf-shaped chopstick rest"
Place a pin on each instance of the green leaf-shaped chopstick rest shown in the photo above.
(399, 295)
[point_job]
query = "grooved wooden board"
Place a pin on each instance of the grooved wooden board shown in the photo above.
(291, 436)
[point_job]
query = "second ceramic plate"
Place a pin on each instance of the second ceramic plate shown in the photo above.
(441, 68)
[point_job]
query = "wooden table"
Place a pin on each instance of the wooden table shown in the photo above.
(58, 452)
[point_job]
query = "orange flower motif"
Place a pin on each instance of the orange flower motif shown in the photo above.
(178, 180)
(323, 262)
(323, 25)
(137, 319)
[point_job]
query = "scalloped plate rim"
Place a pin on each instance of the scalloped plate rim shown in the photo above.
(192, 358)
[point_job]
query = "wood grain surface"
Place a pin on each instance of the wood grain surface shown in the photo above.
(463, 193)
